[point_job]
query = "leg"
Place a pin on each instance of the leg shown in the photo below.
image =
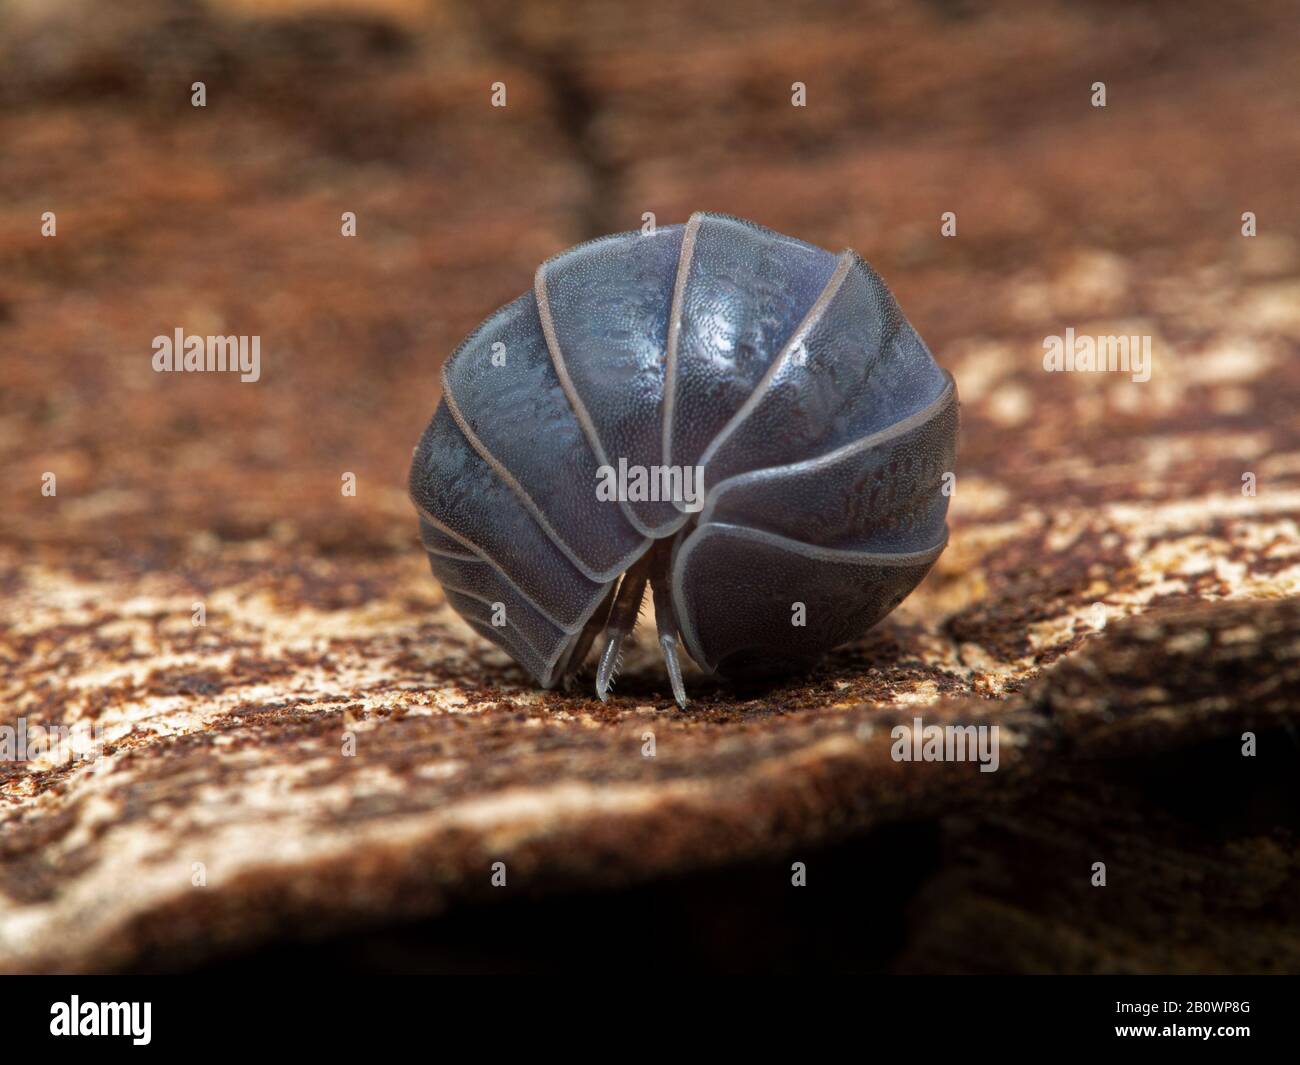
(622, 620)
(667, 628)
(653, 568)
(578, 655)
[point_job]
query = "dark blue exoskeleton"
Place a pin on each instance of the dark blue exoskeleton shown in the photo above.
(743, 421)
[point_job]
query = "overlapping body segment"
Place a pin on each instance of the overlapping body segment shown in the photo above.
(751, 601)
(854, 368)
(742, 292)
(781, 380)
(881, 493)
(504, 394)
(606, 307)
(458, 491)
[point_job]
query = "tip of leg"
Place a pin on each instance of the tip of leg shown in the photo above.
(609, 660)
(669, 645)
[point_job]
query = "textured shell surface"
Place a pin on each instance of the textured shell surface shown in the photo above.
(780, 380)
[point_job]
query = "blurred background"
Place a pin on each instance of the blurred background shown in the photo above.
(226, 219)
(1076, 493)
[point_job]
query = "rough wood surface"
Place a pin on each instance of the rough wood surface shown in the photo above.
(1111, 599)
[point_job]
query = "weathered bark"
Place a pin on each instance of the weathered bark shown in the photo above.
(1112, 599)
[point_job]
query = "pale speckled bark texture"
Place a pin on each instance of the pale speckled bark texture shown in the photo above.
(1111, 598)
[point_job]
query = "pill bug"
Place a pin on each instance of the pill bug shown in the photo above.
(740, 420)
